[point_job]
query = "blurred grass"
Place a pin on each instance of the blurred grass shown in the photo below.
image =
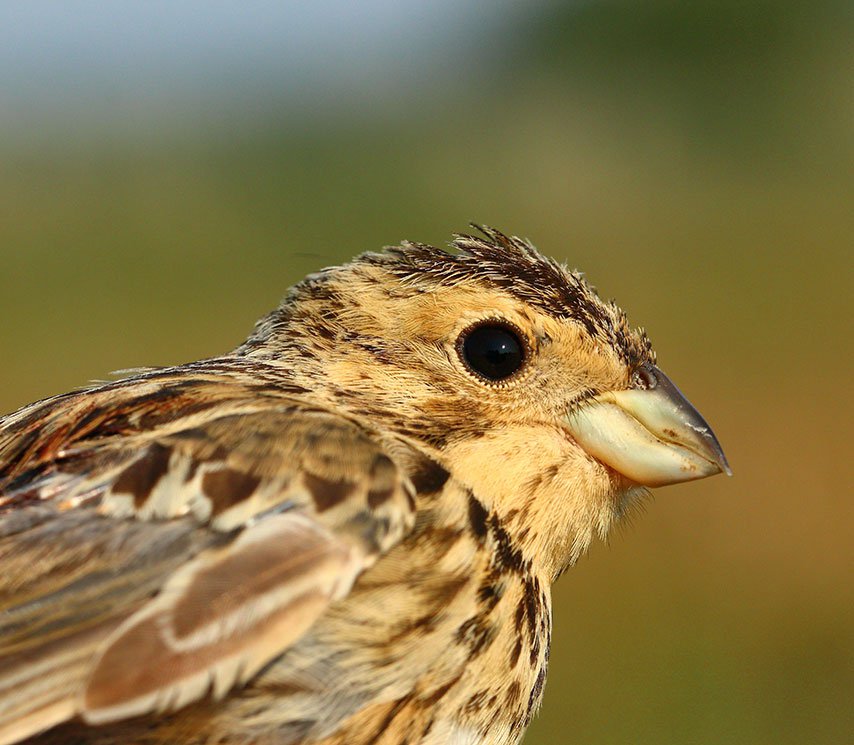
(724, 614)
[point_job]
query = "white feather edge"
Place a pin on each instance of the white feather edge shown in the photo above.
(219, 679)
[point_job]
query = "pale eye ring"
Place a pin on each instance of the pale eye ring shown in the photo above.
(492, 350)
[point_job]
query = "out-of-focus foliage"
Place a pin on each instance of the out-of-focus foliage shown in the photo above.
(747, 80)
(695, 159)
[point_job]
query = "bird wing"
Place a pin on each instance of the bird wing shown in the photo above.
(147, 569)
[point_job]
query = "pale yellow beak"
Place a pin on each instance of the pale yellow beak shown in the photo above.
(652, 436)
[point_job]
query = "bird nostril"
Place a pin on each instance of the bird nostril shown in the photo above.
(644, 378)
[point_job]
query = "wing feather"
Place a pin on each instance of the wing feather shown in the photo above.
(146, 568)
(221, 618)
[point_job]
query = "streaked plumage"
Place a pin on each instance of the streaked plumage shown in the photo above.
(340, 532)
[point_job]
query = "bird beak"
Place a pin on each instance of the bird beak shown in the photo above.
(652, 436)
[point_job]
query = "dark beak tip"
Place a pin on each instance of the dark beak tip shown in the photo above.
(693, 417)
(721, 461)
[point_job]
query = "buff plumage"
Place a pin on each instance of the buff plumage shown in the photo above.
(341, 532)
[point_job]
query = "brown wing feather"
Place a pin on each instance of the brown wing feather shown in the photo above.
(67, 582)
(169, 551)
(221, 618)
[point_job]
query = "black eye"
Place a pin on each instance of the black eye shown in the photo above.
(492, 351)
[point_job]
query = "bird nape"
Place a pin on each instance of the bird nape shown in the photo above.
(345, 530)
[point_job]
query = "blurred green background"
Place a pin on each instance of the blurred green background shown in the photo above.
(167, 170)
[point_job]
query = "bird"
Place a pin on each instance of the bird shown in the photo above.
(343, 531)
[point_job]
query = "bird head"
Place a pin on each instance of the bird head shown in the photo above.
(505, 368)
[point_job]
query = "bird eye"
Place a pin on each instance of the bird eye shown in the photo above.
(491, 350)
(644, 379)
